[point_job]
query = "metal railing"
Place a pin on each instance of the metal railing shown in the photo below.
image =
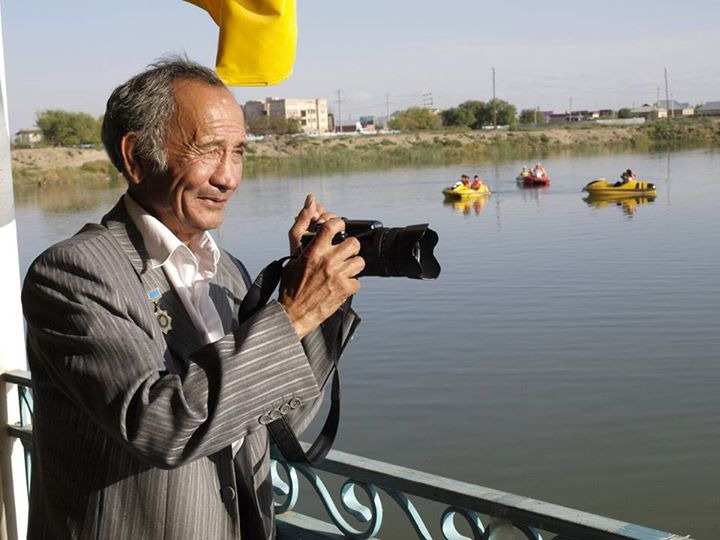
(368, 491)
(23, 429)
(482, 512)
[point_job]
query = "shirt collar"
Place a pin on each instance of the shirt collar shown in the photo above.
(161, 243)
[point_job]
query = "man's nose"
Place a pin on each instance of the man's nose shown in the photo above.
(228, 173)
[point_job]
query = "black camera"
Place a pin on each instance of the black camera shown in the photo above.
(391, 252)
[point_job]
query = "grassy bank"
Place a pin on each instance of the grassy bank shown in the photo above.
(303, 155)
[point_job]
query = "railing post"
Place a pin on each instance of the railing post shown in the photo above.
(13, 498)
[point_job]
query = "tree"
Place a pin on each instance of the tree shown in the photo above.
(462, 115)
(273, 125)
(63, 128)
(294, 126)
(624, 113)
(415, 119)
(531, 116)
(499, 112)
(476, 114)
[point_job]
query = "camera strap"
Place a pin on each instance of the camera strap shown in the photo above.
(280, 430)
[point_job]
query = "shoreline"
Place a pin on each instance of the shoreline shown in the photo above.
(305, 154)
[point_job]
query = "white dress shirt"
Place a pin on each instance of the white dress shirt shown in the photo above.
(188, 268)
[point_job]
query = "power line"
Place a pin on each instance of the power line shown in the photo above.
(667, 97)
(494, 110)
(339, 102)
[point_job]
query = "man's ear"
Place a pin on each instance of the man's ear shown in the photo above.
(131, 159)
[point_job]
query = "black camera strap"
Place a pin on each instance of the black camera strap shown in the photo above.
(280, 431)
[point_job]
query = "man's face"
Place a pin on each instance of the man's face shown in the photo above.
(205, 147)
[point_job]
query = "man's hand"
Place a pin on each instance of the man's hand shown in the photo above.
(309, 216)
(322, 277)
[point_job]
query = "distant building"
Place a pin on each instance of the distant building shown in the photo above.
(577, 116)
(711, 108)
(29, 137)
(311, 113)
(676, 108)
(366, 124)
(648, 112)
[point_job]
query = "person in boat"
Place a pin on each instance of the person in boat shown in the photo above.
(538, 171)
(465, 180)
(476, 183)
(625, 177)
(525, 171)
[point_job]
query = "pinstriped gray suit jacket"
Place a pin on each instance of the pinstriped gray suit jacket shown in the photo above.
(132, 428)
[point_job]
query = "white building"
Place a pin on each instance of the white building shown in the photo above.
(311, 113)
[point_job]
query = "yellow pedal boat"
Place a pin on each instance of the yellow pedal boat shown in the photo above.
(463, 192)
(632, 187)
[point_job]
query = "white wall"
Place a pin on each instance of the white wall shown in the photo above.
(12, 337)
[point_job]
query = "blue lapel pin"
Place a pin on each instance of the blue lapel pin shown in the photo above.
(163, 317)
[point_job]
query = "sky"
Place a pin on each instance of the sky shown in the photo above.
(371, 57)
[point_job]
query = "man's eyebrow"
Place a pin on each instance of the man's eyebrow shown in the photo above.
(213, 143)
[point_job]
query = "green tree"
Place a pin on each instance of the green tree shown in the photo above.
(498, 112)
(474, 108)
(294, 126)
(415, 119)
(531, 116)
(63, 128)
(273, 125)
(476, 114)
(624, 113)
(463, 115)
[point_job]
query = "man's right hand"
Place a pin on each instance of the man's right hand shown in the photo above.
(321, 278)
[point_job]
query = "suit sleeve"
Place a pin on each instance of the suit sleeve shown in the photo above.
(93, 337)
(323, 347)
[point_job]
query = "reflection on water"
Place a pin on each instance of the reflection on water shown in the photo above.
(629, 205)
(468, 206)
(66, 198)
(533, 193)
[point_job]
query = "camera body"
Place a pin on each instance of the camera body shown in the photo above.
(391, 252)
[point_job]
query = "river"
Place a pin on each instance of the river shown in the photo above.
(567, 352)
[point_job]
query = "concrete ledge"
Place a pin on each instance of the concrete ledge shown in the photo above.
(292, 526)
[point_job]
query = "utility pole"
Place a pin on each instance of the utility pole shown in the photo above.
(387, 110)
(667, 97)
(339, 118)
(494, 110)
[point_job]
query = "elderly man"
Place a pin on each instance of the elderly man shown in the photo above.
(150, 394)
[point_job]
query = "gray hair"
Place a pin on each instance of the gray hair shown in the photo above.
(145, 105)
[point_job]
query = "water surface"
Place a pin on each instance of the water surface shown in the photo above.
(568, 351)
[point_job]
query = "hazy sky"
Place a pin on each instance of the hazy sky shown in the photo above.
(381, 54)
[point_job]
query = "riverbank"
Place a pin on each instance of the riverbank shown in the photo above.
(304, 154)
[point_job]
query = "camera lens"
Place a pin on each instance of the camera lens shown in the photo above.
(400, 252)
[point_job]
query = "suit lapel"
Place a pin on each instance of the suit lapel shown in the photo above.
(227, 291)
(181, 337)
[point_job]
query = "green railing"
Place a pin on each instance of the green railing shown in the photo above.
(383, 500)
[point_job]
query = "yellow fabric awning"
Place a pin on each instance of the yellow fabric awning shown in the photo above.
(256, 45)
